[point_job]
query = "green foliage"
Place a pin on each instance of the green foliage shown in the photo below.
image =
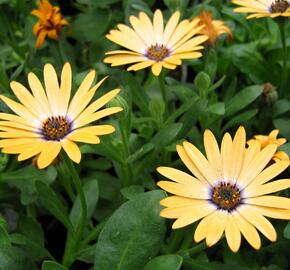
(132, 235)
(41, 216)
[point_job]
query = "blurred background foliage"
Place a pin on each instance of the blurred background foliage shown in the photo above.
(220, 91)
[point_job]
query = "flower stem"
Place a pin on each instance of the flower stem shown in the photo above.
(282, 27)
(73, 243)
(163, 93)
(197, 249)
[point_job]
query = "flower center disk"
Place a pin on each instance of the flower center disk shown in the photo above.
(279, 6)
(157, 52)
(55, 128)
(226, 196)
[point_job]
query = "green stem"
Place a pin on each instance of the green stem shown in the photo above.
(282, 27)
(163, 92)
(197, 249)
(93, 234)
(73, 244)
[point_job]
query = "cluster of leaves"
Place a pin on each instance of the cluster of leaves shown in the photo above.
(219, 91)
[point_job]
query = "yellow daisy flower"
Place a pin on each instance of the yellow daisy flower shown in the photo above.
(48, 120)
(50, 22)
(263, 8)
(269, 139)
(228, 192)
(151, 45)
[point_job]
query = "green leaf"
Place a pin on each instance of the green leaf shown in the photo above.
(91, 190)
(286, 232)
(91, 25)
(34, 249)
(4, 236)
(50, 200)
(164, 262)
(31, 229)
(201, 265)
(156, 108)
(166, 135)
(132, 235)
(51, 265)
(141, 152)
(141, 99)
(132, 191)
(14, 258)
(24, 179)
(283, 125)
(217, 108)
(280, 107)
(242, 99)
(240, 119)
(210, 67)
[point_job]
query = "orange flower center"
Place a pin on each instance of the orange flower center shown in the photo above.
(157, 52)
(279, 6)
(55, 128)
(226, 196)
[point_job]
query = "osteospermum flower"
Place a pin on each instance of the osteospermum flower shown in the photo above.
(228, 190)
(150, 44)
(269, 139)
(50, 22)
(263, 8)
(212, 28)
(48, 120)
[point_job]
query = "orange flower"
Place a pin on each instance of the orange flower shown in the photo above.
(50, 22)
(212, 28)
(271, 139)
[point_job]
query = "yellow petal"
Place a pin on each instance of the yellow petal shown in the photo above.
(226, 151)
(216, 227)
(82, 121)
(194, 190)
(248, 230)
(20, 110)
(178, 176)
(201, 162)
(72, 150)
(193, 214)
(156, 68)
(52, 88)
(233, 234)
(170, 26)
(100, 102)
(98, 130)
(39, 93)
(17, 125)
(50, 151)
(83, 89)
(238, 154)
(257, 220)
(273, 212)
(258, 164)
(27, 100)
(158, 26)
(201, 229)
(269, 173)
(79, 106)
(141, 65)
(189, 163)
(212, 151)
(80, 136)
(176, 201)
(278, 185)
(65, 88)
(141, 30)
(270, 201)
(32, 150)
